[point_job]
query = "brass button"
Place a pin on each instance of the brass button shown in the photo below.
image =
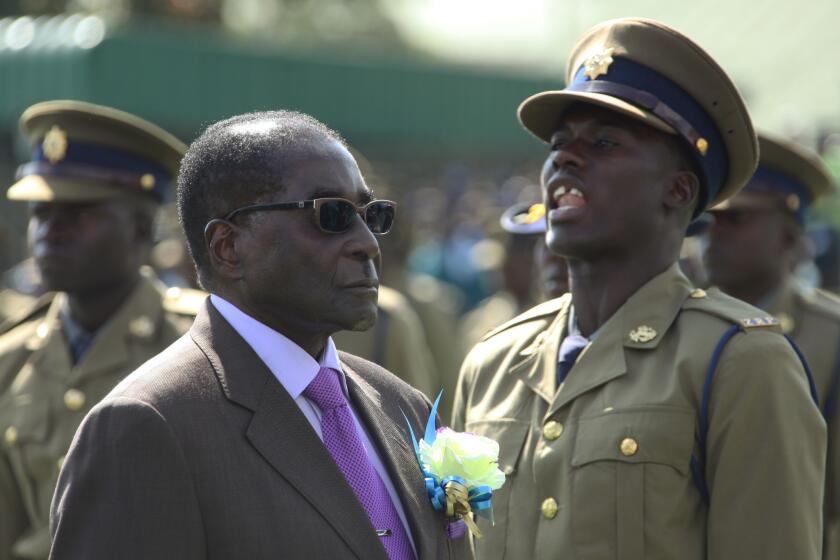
(552, 430)
(142, 327)
(697, 294)
(11, 435)
(629, 447)
(549, 508)
(60, 462)
(74, 400)
(508, 470)
(147, 181)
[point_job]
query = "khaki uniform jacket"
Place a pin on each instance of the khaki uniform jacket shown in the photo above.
(43, 398)
(217, 461)
(599, 468)
(396, 342)
(813, 320)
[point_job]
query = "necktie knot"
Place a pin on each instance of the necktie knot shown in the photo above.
(570, 349)
(325, 390)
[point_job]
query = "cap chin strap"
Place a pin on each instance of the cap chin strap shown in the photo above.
(646, 101)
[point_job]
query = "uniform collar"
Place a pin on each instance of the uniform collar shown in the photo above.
(640, 323)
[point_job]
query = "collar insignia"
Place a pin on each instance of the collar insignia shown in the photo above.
(642, 334)
(598, 64)
(55, 144)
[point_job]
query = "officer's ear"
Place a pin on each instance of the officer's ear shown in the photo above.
(220, 239)
(682, 191)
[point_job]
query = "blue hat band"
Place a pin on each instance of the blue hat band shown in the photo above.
(95, 163)
(651, 91)
(766, 179)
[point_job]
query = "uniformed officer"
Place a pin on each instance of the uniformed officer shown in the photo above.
(754, 245)
(529, 219)
(639, 417)
(396, 342)
(96, 178)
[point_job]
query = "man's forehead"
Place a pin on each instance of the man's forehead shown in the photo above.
(583, 115)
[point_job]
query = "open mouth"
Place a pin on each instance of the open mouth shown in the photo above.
(568, 197)
(566, 201)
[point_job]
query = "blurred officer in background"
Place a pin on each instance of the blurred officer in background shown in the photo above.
(754, 245)
(95, 181)
(532, 274)
(396, 342)
(611, 445)
(552, 271)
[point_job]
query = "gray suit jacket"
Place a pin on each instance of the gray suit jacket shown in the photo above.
(201, 454)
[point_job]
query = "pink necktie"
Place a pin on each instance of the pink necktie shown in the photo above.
(343, 443)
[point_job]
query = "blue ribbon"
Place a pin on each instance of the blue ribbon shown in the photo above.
(479, 497)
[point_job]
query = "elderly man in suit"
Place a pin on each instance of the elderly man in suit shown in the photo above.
(252, 436)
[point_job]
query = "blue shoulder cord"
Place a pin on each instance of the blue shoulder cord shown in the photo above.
(833, 388)
(698, 466)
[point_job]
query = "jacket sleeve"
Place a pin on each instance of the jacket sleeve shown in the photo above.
(125, 490)
(766, 454)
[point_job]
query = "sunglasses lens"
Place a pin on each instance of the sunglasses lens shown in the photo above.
(336, 215)
(379, 217)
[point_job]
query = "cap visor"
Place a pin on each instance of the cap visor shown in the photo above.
(40, 188)
(541, 113)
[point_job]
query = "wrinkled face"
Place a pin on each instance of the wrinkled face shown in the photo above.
(82, 248)
(746, 243)
(603, 183)
(297, 276)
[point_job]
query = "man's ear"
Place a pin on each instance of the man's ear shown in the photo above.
(682, 191)
(220, 239)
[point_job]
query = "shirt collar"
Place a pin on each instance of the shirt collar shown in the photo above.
(293, 367)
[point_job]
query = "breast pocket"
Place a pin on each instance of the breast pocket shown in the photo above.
(628, 466)
(511, 435)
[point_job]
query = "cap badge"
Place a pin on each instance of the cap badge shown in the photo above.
(535, 213)
(55, 144)
(642, 334)
(598, 64)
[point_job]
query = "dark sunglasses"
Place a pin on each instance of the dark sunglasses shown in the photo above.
(334, 215)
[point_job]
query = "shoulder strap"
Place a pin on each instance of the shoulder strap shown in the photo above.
(698, 465)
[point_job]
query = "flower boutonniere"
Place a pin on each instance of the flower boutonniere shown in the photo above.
(460, 469)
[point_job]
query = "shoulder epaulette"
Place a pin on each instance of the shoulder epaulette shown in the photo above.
(183, 301)
(550, 307)
(733, 311)
(27, 311)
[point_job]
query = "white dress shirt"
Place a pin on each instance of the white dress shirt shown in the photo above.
(295, 369)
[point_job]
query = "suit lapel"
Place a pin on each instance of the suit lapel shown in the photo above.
(281, 434)
(392, 441)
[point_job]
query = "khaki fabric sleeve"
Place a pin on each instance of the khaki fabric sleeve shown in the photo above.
(462, 391)
(125, 490)
(766, 451)
(12, 514)
(408, 350)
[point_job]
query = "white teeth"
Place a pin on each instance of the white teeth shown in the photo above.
(563, 190)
